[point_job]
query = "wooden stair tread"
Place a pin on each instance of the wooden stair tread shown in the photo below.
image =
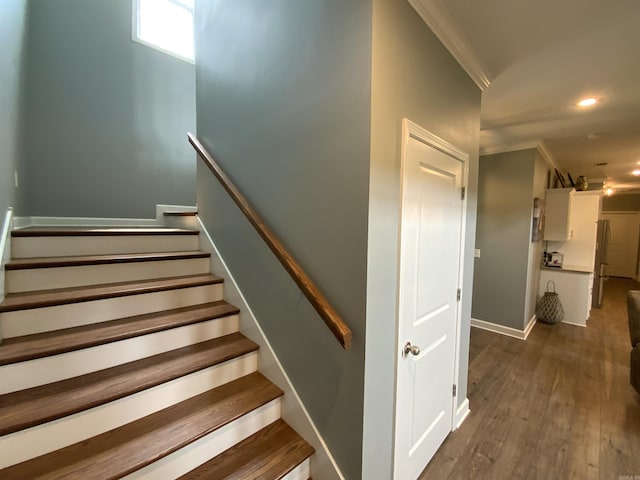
(128, 448)
(61, 296)
(269, 454)
(78, 261)
(37, 405)
(40, 345)
(98, 231)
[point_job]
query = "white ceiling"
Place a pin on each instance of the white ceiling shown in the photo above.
(538, 59)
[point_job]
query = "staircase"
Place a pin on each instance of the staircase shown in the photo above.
(121, 359)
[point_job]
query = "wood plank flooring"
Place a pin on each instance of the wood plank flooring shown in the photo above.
(558, 406)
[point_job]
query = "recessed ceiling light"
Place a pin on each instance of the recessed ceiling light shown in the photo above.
(636, 172)
(587, 102)
(609, 191)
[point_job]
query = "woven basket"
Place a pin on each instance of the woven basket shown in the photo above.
(549, 308)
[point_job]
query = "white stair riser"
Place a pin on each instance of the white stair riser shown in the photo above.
(301, 472)
(19, 376)
(63, 277)
(29, 247)
(37, 320)
(32, 442)
(195, 454)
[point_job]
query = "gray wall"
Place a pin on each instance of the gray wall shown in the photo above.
(283, 103)
(413, 76)
(503, 235)
(621, 203)
(107, 117)
(13, 15)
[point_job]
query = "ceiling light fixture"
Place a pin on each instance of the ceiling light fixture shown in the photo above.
(636, 172)
(609, 191)
(587, 102)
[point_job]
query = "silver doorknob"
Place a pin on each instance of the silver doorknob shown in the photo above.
(411, 349)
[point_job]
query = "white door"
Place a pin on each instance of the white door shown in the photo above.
(429, 277)
(622, 256)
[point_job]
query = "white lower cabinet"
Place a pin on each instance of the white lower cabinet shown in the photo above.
(573, 287)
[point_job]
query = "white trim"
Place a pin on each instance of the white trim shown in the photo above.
(530, 325)
(540, 146)
(574, 324)
(416, 131)
(35, 221)
(294, 411)
(544, 152)
(5, 250)
(462, 413)
(452, 38)
(502, 330)
(508, 147)
(24, 222)
(162, 209)
(413, 130)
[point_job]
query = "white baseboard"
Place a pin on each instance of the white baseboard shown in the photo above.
(293, 410)
(462, 413)
(530, 325)
(502, 330)
(162, 209)
(24, 222)
(574, 324)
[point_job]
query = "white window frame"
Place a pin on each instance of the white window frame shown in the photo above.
(134, 32)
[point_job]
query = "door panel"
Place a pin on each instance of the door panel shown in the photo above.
(431, 228)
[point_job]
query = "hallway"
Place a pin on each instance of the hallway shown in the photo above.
(558, 406)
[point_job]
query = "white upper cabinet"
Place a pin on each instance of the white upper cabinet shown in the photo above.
(558, 208)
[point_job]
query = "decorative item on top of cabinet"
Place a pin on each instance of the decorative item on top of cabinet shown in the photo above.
(557, 225)
(581, 184)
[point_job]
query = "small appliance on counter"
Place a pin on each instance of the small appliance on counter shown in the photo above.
(553, 259)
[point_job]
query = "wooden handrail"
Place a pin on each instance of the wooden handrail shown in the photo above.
(335, 323)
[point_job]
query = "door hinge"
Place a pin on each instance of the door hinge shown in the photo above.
(455, 390)
(458, 295)
(464, 191)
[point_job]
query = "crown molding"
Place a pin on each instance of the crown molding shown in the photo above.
(508, 147)
(543, 149)
(452, 38)
(540, 146)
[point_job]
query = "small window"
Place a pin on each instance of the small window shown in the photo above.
(166, 25)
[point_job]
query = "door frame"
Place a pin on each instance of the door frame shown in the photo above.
(413, 130)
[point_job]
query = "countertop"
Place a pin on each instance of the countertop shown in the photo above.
(570, 269)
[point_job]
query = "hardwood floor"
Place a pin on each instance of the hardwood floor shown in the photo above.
(558, 406)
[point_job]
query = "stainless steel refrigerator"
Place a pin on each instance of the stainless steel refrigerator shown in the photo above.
(600, 267)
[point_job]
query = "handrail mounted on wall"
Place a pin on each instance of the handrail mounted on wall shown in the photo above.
(331, 318)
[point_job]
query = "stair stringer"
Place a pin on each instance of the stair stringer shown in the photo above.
(5, 250)
(323, 464)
